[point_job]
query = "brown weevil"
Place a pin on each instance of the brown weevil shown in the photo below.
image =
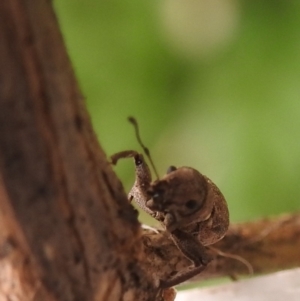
(189, 205)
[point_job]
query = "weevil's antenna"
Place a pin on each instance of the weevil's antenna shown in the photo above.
(133, 121)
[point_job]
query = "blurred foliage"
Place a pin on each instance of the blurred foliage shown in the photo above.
(213, 87)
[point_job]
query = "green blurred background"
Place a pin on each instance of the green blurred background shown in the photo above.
(214, 85)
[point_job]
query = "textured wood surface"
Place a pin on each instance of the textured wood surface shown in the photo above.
(67, 230)
(261, 246)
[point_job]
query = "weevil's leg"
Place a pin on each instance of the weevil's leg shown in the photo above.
(142, 183)
(122, 155)
(190, 247)
(182, 277)
(194, 251)
(171, 169)
(142, 178)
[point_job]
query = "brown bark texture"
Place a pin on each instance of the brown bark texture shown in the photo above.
(250, 248)
(67, 230)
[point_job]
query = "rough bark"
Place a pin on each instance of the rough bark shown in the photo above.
(67, 230)
(257, 247)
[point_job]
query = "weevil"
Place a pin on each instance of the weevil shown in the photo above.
(188, 204)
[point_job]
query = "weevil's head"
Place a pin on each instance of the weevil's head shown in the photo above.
(182, 195)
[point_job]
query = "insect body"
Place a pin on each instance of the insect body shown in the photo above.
(188, 204)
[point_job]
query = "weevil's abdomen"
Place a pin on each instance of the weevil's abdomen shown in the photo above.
(216, 226)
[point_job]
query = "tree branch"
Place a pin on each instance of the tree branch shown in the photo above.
(263, 246)
(67, 230)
